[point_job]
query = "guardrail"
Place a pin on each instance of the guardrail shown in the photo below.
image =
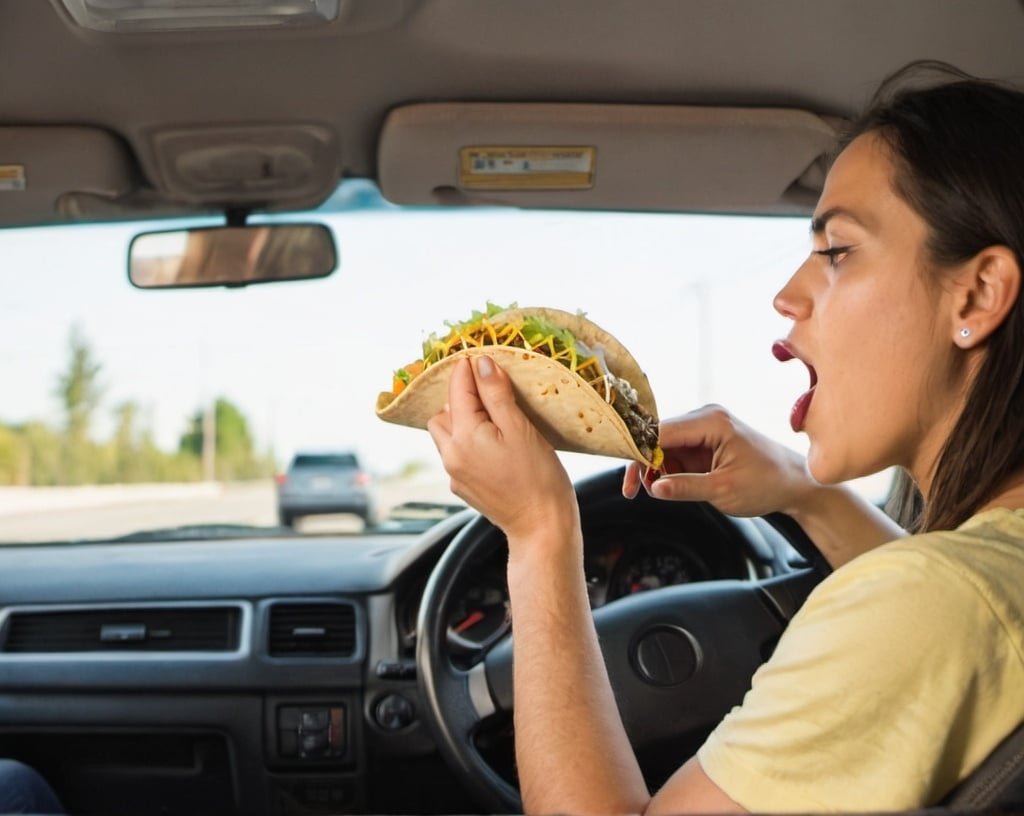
(18, 500)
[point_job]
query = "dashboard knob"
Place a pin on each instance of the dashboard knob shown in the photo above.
(394, 712)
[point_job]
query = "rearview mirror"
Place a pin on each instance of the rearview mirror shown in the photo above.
(231, 256)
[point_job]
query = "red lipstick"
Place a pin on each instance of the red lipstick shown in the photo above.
(783, 352)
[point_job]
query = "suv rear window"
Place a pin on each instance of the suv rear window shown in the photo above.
(325, 460)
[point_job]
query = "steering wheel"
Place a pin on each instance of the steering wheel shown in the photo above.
(679, 658)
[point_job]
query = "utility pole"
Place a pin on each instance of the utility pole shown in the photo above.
(705, 370)
(210, 442)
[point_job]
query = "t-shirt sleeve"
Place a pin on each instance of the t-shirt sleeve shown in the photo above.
(859, 706)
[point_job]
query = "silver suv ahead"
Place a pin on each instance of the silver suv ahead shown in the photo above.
(320, 483)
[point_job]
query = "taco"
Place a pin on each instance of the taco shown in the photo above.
(576, 382)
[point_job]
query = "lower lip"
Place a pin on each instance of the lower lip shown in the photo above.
(798, 414)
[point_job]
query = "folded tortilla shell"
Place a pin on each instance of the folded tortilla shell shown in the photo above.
(563, 406)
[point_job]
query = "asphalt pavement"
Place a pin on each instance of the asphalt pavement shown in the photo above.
(61, 514)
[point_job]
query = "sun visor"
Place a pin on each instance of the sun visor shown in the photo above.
(39, 166)
(634, 157)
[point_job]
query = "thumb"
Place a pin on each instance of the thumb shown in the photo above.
(495, 390)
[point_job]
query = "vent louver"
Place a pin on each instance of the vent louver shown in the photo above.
(143, 629)
(312, 630)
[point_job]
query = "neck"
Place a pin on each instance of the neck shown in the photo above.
(1010, 494)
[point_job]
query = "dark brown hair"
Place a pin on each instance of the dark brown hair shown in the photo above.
(958, 151)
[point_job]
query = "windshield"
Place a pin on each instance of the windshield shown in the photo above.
(127, 410)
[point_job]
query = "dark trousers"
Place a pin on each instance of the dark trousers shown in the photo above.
(22, 790)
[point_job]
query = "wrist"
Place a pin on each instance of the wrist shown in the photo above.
(553, 550)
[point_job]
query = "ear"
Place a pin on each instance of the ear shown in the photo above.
(985, 290)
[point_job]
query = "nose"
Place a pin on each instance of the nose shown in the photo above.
(793, 300)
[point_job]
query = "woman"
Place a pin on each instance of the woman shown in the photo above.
(908, 315)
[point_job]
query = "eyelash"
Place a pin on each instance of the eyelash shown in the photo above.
(833, 254)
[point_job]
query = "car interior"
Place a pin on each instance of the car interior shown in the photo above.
(194, 669)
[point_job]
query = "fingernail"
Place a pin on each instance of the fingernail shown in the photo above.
(484, 366)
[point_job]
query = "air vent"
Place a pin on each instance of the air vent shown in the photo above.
(312, 630)
(142, 629)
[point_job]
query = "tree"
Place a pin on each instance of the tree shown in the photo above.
(235, 456)
(45, 453)
(14, 457)
(79, 392)
(129, 465)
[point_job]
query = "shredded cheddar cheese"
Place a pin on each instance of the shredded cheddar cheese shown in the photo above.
(531, 335)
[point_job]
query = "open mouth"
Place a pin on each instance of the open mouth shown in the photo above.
(798, 413)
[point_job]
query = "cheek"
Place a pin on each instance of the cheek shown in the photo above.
(874, 371)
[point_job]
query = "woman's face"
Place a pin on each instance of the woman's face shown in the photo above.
(875, 332)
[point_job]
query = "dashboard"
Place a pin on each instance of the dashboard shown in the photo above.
(278, 675)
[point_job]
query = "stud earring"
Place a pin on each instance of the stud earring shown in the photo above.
(965, 332)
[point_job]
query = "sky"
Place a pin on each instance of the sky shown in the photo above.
(690, 296)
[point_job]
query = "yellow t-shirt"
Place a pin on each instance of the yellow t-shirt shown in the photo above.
(901, 672)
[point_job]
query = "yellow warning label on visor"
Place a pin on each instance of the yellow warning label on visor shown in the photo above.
(527, 168)
(12, 177)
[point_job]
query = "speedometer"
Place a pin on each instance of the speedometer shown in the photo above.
(480, 616)
(641, 571)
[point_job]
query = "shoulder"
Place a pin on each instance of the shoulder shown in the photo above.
(893, 653)
(963, 581)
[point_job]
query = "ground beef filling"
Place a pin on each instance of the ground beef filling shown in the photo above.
(642, 426)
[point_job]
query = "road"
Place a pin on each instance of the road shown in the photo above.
(82, 513)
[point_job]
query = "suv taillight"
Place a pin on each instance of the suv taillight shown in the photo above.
(362, 478)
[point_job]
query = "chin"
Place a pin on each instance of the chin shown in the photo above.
(826, 470)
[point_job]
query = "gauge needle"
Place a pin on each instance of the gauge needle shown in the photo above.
(472, 620)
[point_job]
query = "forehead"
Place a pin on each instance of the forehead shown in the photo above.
(859, 186)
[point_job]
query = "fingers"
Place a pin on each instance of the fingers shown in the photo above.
(631, 481)
(440, 427)
(685, 487)
(481, 410)
(495, 392)
(692, 444)
(464, 404)
(704, 427)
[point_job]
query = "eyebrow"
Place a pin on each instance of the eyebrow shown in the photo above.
(818, 223)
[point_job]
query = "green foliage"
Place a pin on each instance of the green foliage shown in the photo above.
(411, 468)
(36, 454)
(79, 392)
(234, 454)
(14, 458)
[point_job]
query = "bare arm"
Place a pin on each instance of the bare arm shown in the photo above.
(571, 748)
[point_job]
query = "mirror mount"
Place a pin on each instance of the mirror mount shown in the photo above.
(236, 216)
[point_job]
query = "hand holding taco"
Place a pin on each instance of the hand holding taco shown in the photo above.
(577, 383)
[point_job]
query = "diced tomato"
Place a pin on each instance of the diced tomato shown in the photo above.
(405, 375)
